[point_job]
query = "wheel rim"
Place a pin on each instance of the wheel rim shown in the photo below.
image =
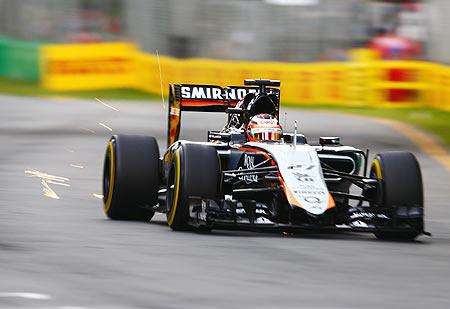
(173, 188)
(108, 178)
(170, 189)
(375, 171)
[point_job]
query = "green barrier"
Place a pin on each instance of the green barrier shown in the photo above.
(19, 59)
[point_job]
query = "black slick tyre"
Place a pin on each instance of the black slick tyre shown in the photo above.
(131, 177)
(194, 171)
(401, 186)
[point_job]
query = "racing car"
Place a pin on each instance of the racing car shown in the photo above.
(252, 175)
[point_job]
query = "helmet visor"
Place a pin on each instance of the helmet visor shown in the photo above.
(266, 134)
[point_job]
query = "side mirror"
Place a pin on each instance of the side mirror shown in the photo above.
(330, 141)
(289, 138)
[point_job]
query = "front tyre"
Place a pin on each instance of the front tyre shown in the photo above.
(401, 192)
(131, 177)
(194, 171)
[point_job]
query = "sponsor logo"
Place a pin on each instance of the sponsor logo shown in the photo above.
(312, 199)
(249, 163)
(299, 166)
(303, 177)
(272, 121)
(309, 192)
(311, 187)
(113, 65)
(366, 215)
(214, 93)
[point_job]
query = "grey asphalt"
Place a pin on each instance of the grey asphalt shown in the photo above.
(73, 257)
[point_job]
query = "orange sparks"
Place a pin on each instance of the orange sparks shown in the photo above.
(88, 130)
(107, 105)
(47, 179)
(105, 126)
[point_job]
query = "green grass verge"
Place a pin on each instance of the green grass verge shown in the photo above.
(432, 120)
(22, 88)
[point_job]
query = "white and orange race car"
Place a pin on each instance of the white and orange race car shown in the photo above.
(252, 175)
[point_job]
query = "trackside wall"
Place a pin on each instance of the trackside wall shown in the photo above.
(364, 81)
(19, 60)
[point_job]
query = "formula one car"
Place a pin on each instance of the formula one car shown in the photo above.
(252, 175)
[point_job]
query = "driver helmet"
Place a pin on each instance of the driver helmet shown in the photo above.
(264, 127)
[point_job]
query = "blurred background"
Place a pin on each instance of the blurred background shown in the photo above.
(347, 53)
(281, 30)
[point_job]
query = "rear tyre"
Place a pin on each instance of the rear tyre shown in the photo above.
(401, 185)
(131, 177)
(194, 171)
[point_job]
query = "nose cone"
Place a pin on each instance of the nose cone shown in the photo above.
(301, 177)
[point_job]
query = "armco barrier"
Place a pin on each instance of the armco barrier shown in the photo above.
(19, 60)
(362, 82)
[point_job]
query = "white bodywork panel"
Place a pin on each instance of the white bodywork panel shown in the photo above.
(301, 171)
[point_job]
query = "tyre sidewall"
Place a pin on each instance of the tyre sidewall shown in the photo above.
(135, 177)
(401, 184)
(197, 170)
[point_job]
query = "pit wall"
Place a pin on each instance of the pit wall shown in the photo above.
(363, 81)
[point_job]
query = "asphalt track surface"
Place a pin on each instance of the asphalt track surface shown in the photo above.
(67, 253)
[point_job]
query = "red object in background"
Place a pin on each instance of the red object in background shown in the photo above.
(410, 6)
(398, 95)
(85, 37)
(394, 47)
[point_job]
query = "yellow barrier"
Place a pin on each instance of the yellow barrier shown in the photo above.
(302, 83)
(88, 66)
(363, 81)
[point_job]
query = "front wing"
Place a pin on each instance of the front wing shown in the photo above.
(254, 216)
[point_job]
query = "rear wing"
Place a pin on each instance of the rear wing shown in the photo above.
(201, 98)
